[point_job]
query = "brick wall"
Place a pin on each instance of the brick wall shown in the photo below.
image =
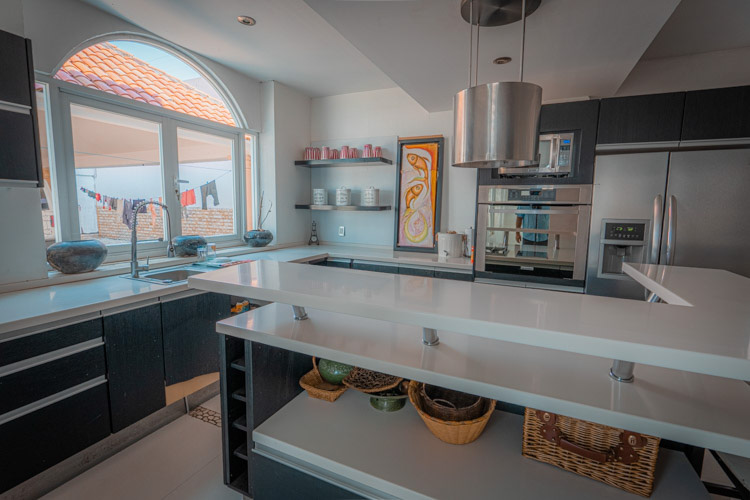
(214, 221)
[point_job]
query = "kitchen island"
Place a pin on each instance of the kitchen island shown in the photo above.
(525, 347)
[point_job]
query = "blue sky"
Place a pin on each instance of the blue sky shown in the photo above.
(158, 58)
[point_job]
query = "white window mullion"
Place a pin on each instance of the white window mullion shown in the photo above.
(240, 184)
(170, 171)
(62, 128)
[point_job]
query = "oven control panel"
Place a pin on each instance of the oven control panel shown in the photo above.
(532, 195)
(623, 231)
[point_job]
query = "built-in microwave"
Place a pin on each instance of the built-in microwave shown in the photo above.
(556, 155)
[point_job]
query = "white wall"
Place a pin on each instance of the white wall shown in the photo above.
(22, 252)
(392, 112)
(283, 138)
(11, 17)
(726, 68)
(58, 27)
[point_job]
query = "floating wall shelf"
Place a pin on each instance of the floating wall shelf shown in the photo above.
(344, 162)
(348, 208)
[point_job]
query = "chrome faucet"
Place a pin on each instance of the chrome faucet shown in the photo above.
(135, 269)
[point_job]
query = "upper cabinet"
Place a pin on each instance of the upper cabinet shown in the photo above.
(581, 118)
(717, 114)
(20, 161)
(641, 119)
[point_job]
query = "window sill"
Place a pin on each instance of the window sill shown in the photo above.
(123, 267)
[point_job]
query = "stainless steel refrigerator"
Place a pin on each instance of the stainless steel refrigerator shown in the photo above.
(685, 208)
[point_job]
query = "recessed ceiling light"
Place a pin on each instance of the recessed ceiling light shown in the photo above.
(246, 20)
(502, 60)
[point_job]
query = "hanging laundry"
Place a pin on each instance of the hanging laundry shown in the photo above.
(153, 214)
(209, 190)
(127, 213)
(187, 198)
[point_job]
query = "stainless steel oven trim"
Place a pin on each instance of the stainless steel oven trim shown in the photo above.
(581, 248)
(585, 193)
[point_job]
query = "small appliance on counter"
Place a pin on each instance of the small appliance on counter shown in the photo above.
(450, 244)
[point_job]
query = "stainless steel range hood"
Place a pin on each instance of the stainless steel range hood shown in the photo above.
(497, 125)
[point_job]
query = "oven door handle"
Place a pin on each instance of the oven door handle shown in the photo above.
(551, 211)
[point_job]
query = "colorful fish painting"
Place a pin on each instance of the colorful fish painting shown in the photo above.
(418, 182)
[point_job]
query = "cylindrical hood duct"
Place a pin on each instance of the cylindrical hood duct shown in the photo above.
(497, 125)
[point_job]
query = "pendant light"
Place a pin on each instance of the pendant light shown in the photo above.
(496, 125)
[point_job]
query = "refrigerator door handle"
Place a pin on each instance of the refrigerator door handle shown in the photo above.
(656, 228)
(671, 230)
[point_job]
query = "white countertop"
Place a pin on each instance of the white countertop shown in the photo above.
(711, 340)
(691, 408)
(38, 306)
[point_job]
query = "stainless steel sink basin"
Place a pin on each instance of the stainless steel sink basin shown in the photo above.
(168, 276)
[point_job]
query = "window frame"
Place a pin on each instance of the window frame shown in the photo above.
(61, 95)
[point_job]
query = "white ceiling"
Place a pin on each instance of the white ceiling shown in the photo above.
(290, 43)
(699, 26)
(574, 48)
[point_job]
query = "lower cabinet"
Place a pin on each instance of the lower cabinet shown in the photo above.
(275, 481)
(452, 275)
(135, 364)
(416, 271)
(38, 440)
(191, 344)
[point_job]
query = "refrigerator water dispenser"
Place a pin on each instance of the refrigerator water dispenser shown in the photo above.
(622, 240)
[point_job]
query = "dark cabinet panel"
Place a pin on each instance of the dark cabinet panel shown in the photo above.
(374, 267)
(43, 438)
(135, 364)
(51, 340)
(191, 344)
(18, 160)
(343, 263)
(275, 481)
(415, 271)
(15, 84)
(643, 118)
(448, 275)
(32, 384)
(717, 114)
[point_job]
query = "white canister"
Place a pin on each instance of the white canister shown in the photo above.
(343, 196)
(450, 244)
(371, 197)
(320, 196)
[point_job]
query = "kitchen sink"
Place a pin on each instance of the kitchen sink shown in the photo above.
(168, 276)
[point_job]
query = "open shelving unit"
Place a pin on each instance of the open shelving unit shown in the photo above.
(339, 162)
(345, 208)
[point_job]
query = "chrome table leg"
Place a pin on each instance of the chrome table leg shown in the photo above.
(622, 371)
(430, 337)
(299, 312)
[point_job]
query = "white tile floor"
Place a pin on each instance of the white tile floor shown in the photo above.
(182, 460)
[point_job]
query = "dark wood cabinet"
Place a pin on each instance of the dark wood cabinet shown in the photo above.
(191, 344)
(135, 364)
(378, 268)
(451, 275)
(416, 271)
(14, 85)
(20, 158)
(40, 439)
(639, 119)
(717, 114)
(29, 346)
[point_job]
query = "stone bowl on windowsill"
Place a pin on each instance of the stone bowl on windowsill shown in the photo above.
(258, 237)
(187, 246)
(73, 257)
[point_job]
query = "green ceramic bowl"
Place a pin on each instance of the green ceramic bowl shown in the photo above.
(388, 401)
(333, 372)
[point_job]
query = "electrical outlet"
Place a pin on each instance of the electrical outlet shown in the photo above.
(342, 231)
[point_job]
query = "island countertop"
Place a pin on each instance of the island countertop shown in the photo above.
(710, 340)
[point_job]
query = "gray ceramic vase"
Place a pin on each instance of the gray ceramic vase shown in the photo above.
(73, 257)
(187, 246)
(258, 237)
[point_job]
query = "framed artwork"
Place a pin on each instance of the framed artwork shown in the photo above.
(418, 190)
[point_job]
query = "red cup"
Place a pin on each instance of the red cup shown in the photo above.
(345, 152)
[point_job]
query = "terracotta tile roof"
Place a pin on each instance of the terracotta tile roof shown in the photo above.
(110, 69)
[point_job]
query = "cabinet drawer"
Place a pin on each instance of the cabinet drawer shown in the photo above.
(15, 350)
(49, 435)
(15, 86)
(18, 147)
(32, 384)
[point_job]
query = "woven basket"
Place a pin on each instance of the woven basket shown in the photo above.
(318, 388)
(622, 459)
(447, 404)
(450, 432)
(369, 381)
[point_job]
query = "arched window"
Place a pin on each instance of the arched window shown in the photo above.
(123, 154)
(146, 73)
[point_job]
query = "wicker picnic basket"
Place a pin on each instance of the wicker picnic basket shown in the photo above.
(622, 459)
(463, 432)
(318, 388)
